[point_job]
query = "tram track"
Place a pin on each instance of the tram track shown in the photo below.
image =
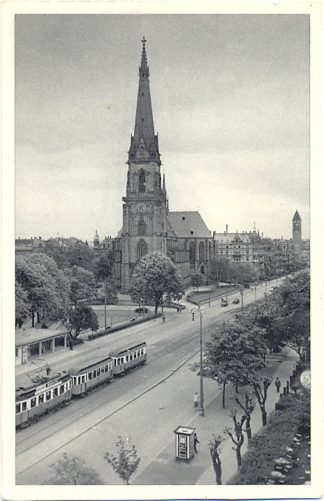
(171, 372)
(82, 404)
(170, 344)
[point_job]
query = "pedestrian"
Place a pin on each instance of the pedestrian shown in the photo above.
(163, 318)
(196, 441)
(277, 384)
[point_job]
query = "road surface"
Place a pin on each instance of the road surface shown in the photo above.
(145, 406)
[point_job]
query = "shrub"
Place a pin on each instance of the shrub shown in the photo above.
(271, 441)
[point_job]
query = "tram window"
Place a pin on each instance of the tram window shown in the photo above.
(24, 406)
(142, 351)
(62, 388)
(79, 380)
(89, 375)
(126, 358)
(48, 395)
(70, 383)
(17, 408)
(82, 379)
(33, 402)
(41, 398)
(130, 357)
(135, 354)
(55, 392)
(98, 372)
(102, 369)
(94, 374)
(106, 368)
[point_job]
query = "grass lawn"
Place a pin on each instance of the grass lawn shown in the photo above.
(197, 297)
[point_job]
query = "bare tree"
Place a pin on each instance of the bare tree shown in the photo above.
(238, 437)
(247, 407)
(260, 389)
(214, 449)
(126, 462)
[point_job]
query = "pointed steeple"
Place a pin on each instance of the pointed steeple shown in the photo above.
(144, 137)
(296, 216)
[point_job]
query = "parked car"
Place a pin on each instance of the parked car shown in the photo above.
(224, 302)
(236, 301)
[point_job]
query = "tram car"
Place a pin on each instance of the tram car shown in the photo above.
(95, 373)
(42, 396)
(128, 358)
(36, 398)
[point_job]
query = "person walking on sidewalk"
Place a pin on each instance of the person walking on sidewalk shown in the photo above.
(196, 441)
(277, 384)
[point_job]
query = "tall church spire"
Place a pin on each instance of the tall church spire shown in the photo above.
(144, 143)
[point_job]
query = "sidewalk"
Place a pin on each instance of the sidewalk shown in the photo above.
(164, 469)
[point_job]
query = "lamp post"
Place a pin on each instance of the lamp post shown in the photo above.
(105, 312)
(201, 395)
(242, 292)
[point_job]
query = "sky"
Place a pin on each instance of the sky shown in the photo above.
(230, 98)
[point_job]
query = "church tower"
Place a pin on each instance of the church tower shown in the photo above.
(296, 228)
(297, 234)
(145, 206)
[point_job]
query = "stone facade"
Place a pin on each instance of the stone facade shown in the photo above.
(147, 223)
(244, 247)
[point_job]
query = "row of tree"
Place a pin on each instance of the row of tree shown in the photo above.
(43, 291)
(237, 352)
(81, 255)
(223, 270)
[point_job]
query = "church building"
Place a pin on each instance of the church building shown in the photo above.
(148, 225)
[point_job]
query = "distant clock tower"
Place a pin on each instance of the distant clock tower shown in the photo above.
(296, 228)
(145, 205)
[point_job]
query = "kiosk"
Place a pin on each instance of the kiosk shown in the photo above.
(184, 443)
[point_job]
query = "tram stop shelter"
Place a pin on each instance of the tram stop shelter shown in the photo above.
(184, 443)
(34, 343)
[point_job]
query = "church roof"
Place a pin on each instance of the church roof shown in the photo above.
(188, 224)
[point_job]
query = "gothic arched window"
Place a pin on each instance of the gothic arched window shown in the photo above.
(201, 251)
(141, 181)
(142, 249)
(192, 254)
(141, 227)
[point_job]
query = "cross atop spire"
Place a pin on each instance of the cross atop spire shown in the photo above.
(144, 70)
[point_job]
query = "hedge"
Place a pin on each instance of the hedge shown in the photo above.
(119, 327)
(272, 440)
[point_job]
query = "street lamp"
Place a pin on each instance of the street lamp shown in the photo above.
(201, 396)
(241, 292)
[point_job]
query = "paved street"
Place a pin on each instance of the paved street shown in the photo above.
(164, 388)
